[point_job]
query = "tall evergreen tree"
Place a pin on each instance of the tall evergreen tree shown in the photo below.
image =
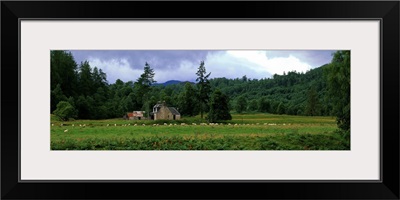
(63, 69)
(143, 87)
(86, 83)
(147, 78)
(219, 107)
(312, 108)
(203, 88)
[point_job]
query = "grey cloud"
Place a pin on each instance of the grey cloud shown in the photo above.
(158, 59)
(182, 64)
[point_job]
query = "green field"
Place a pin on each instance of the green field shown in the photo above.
(243, 132)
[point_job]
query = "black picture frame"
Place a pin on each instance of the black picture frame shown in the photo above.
(386, 11)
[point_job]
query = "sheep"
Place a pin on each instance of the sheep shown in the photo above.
(143, 124)
(165, 124)
(73, 125)
(135, 125)
(80, 124)
(115, 124)
(194, 124)
(108, 124)
(66, 130)
(52, 124)
(183, 124)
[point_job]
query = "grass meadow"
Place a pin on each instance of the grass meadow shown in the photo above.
(253, 131)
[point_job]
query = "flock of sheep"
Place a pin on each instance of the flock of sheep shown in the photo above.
(182, 124)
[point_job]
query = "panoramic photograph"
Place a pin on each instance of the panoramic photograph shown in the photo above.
(200, 100)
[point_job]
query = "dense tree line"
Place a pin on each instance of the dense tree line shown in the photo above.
(86, 94)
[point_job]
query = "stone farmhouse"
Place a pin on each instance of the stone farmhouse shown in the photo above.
(162, 111)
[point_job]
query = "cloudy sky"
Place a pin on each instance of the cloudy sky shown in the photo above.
(183, 64)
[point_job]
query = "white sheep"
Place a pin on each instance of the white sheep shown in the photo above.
(66, 130)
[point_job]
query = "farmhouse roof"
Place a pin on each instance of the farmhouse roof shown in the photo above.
(130, 114)
(173, 111)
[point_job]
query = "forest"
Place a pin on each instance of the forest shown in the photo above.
(81, 91)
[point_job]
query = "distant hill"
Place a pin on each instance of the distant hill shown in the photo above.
(172, 82)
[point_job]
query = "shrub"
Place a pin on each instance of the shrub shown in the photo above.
(65, 111)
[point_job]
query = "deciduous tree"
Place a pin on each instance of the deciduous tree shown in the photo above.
(65, 111)
(241, 104)
(338, 78)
